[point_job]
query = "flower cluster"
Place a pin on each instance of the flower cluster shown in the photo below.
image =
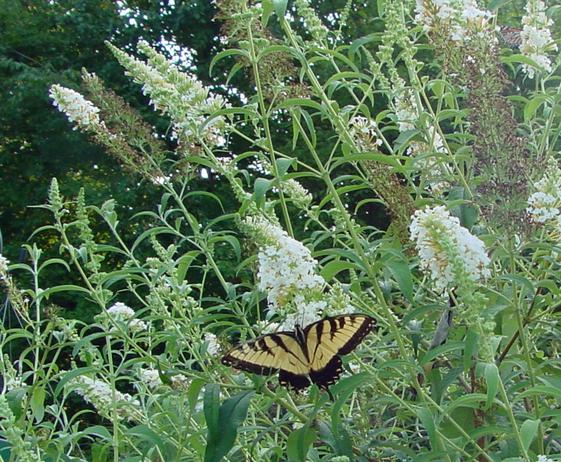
(313, 23)
(543, 458)
(103, 398)
(77, 108)
(122, 313)
(4, 262)
(363, 131)
(182, 97)
(299, 195)
(405, 109)
(536, 37)
(544, 205)
(448, 250)
(212, 345)
(460, 19)
(150, 377)
(287, 272)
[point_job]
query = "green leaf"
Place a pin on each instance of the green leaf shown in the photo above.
(528, 431)
(280, 7)
(37, 403)
(470, 349)
(299, 443)
(223, 425)
(145, 433)
(268, 9)
(211, 407)
(194, 392)
(492, 378)
(402, 274)
(260, 188)
(427, 419)
(334, 267)
(283, 165)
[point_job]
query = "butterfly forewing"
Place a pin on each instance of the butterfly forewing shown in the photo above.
(331, 337)
(267, 354)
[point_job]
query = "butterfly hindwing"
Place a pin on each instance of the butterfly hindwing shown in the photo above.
(331, 337)
(269, 353)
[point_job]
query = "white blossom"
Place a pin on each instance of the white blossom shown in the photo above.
(77, 108)
(544, 205)
(308, 312)
(212, 345)
(267, 327)
(150, 377)
(103, 398)
(536, 37)
(460, 18)
(120, 312)
(4, 262)
(442, 242)
(363, 131)
(543, 458)
(181, 96)
(287, 273)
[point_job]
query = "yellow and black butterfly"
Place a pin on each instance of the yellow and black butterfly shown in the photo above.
(310, 354)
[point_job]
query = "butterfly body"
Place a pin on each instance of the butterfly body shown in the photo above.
(306, 355)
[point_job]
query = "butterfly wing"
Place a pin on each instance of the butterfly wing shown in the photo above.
(331, 337)
(270, 353)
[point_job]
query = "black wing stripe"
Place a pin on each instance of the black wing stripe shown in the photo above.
(280, 342)
(366, 326)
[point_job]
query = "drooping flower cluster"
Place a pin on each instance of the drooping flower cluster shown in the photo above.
(544, 205)
(77, 108)
(99, 393)
(179, 95)
(536, 37)
(459, 19)
(446, 249)
(122, 313)
(287, 273)
(363, 132)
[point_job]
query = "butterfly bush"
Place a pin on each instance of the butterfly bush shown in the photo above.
(287, 273)
(105, 398)
(397, 173)
(460, 18)
(536, 37)
(178, 95)
(447, 249)
(77, 108)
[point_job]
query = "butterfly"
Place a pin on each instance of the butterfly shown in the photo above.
(510, 36)
(306, 355)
